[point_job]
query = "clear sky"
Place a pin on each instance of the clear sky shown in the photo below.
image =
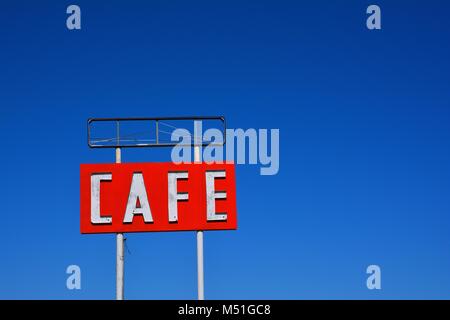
(364, 144)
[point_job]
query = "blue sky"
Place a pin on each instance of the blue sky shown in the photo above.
(364, 144)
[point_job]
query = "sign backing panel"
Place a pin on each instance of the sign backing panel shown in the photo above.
(116, 199)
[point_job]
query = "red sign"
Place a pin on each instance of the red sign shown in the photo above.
(143, 197)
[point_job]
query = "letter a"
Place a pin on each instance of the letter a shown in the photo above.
(74, 20)
(74, 280)
(137, 192)
(374, 20)
(374, 280)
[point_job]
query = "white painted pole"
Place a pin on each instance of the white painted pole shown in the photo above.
(200, 271)
(119, 250)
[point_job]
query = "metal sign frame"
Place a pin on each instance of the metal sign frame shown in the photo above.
(157, 143)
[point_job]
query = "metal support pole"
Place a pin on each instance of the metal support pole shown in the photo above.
(200, 271)
(120, 251)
